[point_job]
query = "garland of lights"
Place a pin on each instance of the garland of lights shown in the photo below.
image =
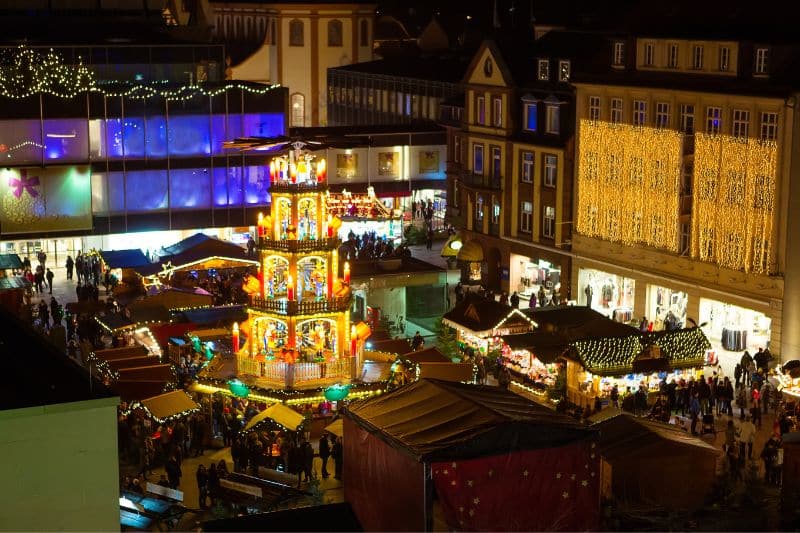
(734, 200)
(615, 355)
(25, 72)
(628, 184)
(213, 385)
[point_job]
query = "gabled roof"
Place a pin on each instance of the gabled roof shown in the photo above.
(199, 246)
(10, 261)
(213, 316)
(623, 434)
(481, 316)
(435, 420)
(683, 348)
(394, 346)
(428, 355)
(124, 258)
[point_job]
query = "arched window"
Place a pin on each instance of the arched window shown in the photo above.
(335, 33)
(298, 102)
(296, 33)
(363, 33)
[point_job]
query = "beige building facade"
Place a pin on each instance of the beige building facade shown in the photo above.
(294, 45)
(683, 195)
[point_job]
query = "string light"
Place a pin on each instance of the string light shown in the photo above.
(25, 72)
(629, 183)
(734, 200)
(682, 348)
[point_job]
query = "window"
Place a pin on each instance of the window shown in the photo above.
(741, 123)
(697, 57)
(526, 172)
(296, 31)
(363, 33)
(649, 54)
(672, 56)
(495, 210)
(335, 33)
(479, 208)
(497, 162)
(563, 71)
(619, 54)
(526, 217)
(497, 112)
(687, 119)
(594, 108)
(481, 110)
(530, 117)
(639, 112)
(724, 58)
(477, 158)
(713, 122)
(550, 170)
(662, 115)
(544, 69)
(553, 119)
(455, 194)
(549, 229)
(298, 110)
(616, 111)
(685, 239)
(457, 149)
(769, 126)
(762, 56)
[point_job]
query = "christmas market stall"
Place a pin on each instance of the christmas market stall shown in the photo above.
(121, 330)
(633, 449)
(132, 372)
(479, 323)
(480, 455)
(15, 295)
(168, 406)
(124, 265)
(362, 213)
(174, 300)
(431, 363)
(595, 366)
(10, 262)
(277, 413)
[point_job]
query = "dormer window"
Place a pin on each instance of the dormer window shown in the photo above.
(563, 71)
(544, 70)
(762, 56)
(619, 54)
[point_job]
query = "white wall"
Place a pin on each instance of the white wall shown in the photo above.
(60, 467)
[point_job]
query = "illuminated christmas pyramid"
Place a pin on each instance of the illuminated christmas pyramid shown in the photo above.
(298, 330)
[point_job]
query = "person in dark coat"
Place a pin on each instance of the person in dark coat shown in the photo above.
(337, 452)
(70, 264)
(202, 485)
(307, 454)
(50, 277)
(213, 484)
(174, 473)
(324, 454)
(514, 300)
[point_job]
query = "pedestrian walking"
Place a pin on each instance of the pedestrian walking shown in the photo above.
(50, 277)
(337, 452)
(202, 485)
(173, 469)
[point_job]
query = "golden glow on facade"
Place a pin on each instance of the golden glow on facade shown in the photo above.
(629, 183)
(734, 202)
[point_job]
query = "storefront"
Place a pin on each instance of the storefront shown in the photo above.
(734, 328)
(529, 277)
(435, 199)
(607, 293)
(666, 308)
(534, 365)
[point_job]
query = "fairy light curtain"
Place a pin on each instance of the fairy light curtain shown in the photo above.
(734, 200)
(629, 183)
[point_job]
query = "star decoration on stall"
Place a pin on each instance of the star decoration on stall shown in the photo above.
(565, 495)
(453, 483)
(476, 501)
(454, 465)
(470, 482)
(472, 512)
(558, 475)
(525, 473)
(584, 483)
(491, 472)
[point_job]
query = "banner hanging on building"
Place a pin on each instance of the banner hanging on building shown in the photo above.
(36, 199)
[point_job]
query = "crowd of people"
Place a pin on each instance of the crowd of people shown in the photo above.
(539, 299)
(370, 245)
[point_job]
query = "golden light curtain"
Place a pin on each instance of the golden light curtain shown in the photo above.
(734, 201)
(629, 184)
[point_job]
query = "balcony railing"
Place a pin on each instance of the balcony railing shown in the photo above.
(304, 307)
(289, 187)
(294, 245)
(290, 375)
(470, 179)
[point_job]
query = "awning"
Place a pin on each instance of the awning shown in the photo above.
(168, 405)
(471, 251)
(452, 246)
(10, 261)
(336, 427)
(277, 412)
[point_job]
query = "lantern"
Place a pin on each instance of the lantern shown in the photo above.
(238, 389)
(337, 392)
